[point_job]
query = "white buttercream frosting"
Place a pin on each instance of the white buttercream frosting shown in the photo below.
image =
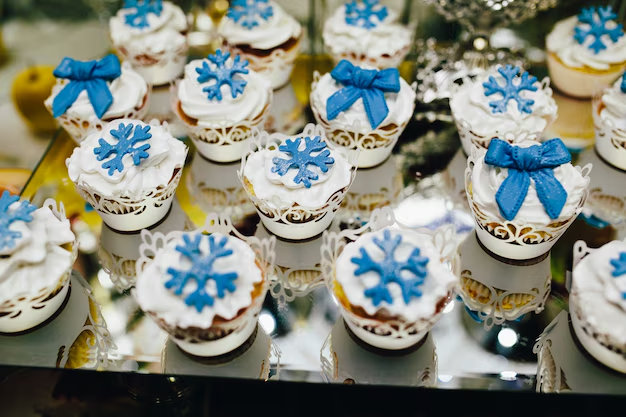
(438, 283)
(269, 34)
(486, 181)
(562, 43)
(217, 113)
(152, 295)
(614, 110)
(469, 103)
(166, 153)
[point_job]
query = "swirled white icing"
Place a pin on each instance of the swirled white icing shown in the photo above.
(614, 110)
(269, 34)
(37, 260)
(470, 104)
(163, 33)
(128, 90)
(152, 296)
(166, 153)
(562, 43)
(438, 283)
(217, 113)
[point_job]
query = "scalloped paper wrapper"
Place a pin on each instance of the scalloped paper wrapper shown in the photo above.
(224, 336)
(380, 62)
(389, 334)
(30, 310)
(610, 139)
(227, 143)
(295, 222)
(375, 146)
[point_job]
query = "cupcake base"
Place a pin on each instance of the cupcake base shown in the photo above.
(610, 140)
(385, 342)
(157, 69)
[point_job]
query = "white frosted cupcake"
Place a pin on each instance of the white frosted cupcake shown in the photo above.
(220, 101)
(504, 102)
(152, 36)
(609, 115)
(586, 52)
(366, 33)
(264, 35)
(363, 108)
(128, 172)
(89, 94)
(524, 196)
(37, 251)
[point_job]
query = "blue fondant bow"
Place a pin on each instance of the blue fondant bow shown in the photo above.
(370, 85)
(536, 162)
(91, 76)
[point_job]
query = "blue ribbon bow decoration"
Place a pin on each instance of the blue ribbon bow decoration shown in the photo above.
(368, 84)
(536, 162)
(91, 76)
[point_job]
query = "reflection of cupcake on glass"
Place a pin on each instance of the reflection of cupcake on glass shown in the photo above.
(609, 115)
(152, 36)
(220, 101)
(265, 35)
(128, 172)
(366, 33)
(90, 94)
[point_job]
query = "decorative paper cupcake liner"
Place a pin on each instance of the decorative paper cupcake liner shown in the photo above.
(610, 139)
(472, 140)
(157, 68)
(550, 376)
(380, 62)
(222, 336)
(375, 146)
(295, 222)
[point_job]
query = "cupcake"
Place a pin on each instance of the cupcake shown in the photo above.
(89, 94)
(363, 108)
(263, 34)
(296, 183)
(37, 251)
(366, 33)
(220, 101)
(128, 172)
(524, 196)
(586, 53)
(504, 102)
(598, 304)
(152, 36)
(609, 116)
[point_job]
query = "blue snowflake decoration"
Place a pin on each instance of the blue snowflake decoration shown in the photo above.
(125, 146)
(510, 90)
(202, 271)
(390, 270)
(362, 13)
(619, 265)
(597, 20)
(139, 17)
(248, 13)
(300, 159)
(23, 213)
(222, 75)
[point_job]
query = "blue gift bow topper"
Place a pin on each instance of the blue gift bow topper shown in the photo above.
(510, 90)
(139, 18)
(536, 162)
(301, 159)
(362, 16)
(248, 13)
(370, 85)
(22, 213)
(90, 76)
(125, 146)
(597, 27)
(222, 75)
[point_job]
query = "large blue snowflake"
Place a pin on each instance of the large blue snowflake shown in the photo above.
(619, 265)
(248, 13)
(124, 146)
(222, 75)
(390, 270)
(301, 159)
(139, 17)
(597, 20)
(8, 216)
(362, 13)
(201, 271)
(510, 90)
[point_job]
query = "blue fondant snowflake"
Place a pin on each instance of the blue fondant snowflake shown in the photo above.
(8, 216)
(510, 90)
(597, 20)
(222, 75)
(619, 265)
(390, 270)
(201, 271)
(139, 17)
(248, 13)
(300, 159)
(124, 146)
(362, 13)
